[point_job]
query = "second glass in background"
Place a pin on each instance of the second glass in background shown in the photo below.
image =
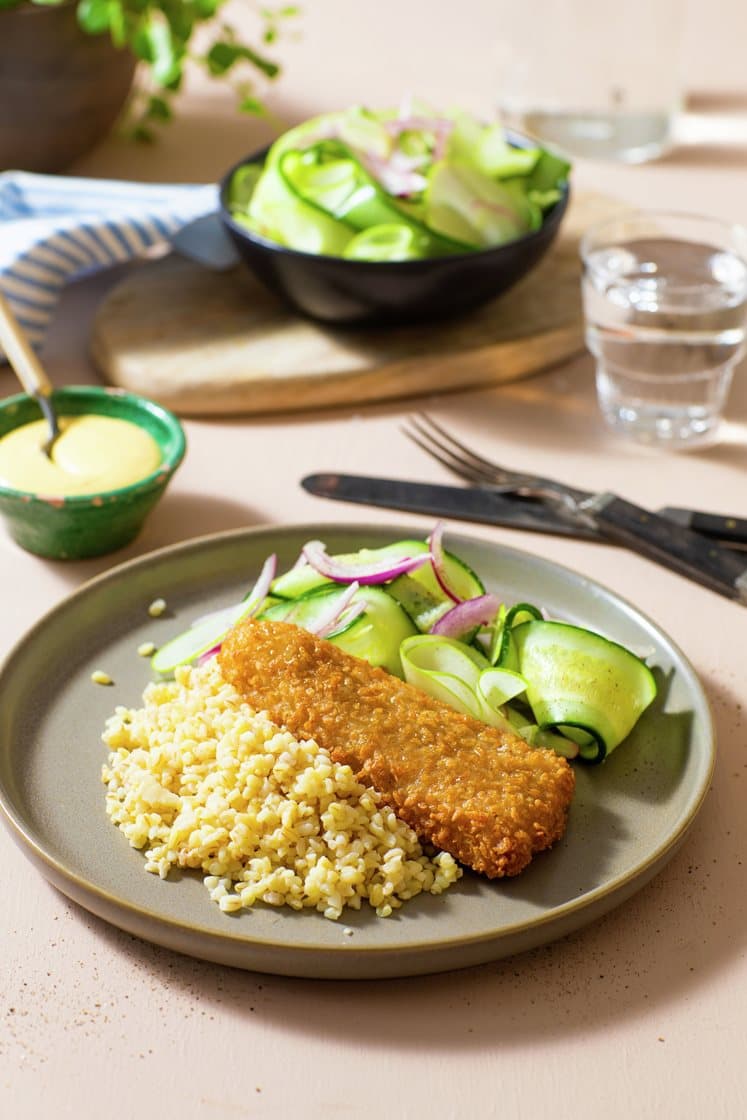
(593, 78)
(665, 308)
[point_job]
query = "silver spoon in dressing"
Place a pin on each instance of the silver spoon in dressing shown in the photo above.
(29, 369)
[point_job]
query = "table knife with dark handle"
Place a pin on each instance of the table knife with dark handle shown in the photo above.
(480, 504)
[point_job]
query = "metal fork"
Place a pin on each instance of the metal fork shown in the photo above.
(467, 464)
(618, 520)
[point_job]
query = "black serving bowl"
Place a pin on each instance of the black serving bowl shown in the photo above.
(337, 290)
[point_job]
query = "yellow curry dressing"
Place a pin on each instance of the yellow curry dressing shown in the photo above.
(92, 455)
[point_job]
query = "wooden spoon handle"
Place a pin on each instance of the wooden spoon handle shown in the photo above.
(20, 354)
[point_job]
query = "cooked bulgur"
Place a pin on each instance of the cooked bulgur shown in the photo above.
(200, 780)
(98, 676)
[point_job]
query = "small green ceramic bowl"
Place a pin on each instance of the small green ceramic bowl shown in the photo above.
(82, 525)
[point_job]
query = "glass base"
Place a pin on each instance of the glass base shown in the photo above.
(678, 429)
(677, 423)
(627, 137)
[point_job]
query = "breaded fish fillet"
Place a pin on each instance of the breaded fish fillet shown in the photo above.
(483, 795)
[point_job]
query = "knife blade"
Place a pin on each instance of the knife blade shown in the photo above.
(462, 503)
(480, 504)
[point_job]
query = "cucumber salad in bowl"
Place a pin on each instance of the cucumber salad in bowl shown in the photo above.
(401, 185)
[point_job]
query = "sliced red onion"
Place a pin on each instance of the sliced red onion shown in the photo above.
(401, 161)
(208, 654)
(302, 556)
(438, 560)
(344, 619)
(328, 622)
(395, 180)
(462, 618)
(360, 571)
(250, 604)
(401, 184)
(261, 589)
(439, 126)
(298, 563)
(440, 145)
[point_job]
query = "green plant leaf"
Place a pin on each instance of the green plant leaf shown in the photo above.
(224, 54)
(94, 16)
(118, 23)
(207, 8)
(158, 109)
(154, 43)
(286, 12)
(160, 33)
(182, 17)
(142, 134)
(252, 105)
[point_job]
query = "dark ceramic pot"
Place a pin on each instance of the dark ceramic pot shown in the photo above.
(60, 89)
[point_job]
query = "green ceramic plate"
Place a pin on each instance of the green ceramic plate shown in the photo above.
(628, 817)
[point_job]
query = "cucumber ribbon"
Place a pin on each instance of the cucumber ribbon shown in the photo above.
(461, 677)
(451, 672)
(586, 687)
(328, 177)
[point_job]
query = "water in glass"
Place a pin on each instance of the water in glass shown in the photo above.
(665, 320)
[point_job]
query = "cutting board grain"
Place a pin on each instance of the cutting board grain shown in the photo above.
(215, 343)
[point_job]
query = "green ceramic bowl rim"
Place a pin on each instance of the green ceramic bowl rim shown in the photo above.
(172, 456)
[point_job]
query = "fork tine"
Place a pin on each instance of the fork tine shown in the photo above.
(429, 442)
(469, 465)
(443, 454)
(451, 441)
(457, 458)
(462, 470)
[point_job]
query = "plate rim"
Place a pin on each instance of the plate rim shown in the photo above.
(26, 837)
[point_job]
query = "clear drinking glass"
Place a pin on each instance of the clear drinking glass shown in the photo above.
(595, 78)
(665, 307)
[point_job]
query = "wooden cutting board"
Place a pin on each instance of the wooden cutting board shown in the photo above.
(211, 343)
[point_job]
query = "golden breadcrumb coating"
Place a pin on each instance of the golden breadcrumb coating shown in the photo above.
(481, 794)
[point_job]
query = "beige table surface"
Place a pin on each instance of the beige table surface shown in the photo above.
(640, 1015)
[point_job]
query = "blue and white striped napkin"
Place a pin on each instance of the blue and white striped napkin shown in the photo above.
(54, 229)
